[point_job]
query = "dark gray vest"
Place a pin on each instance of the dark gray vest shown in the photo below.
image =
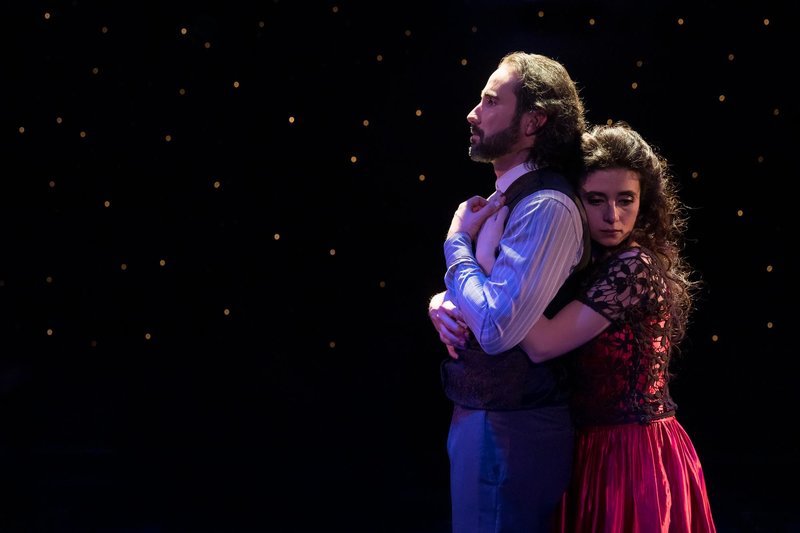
(510, 380)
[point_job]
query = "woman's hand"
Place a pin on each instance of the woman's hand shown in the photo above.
(471, 214)
(489, 239)
(449, 324)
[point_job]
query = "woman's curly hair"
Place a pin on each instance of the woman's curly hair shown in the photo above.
(661, 222)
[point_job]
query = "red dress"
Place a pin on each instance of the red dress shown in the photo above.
(635, 469)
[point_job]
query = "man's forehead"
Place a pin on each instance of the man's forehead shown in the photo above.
(501, 81)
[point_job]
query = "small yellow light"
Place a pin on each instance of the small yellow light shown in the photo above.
(21, 129)
(365, 123)
(353, 159)
(182, 91)
(235, 84)
(714, 338)
(695, 174)
(769, 268)
(422, 177)
(168, 137)
(82, 134)
(634, 86)
(379, 58)
(226, 312)
(332, 344)
(59, 120)
(147, 336)
(123, 267)
(206, 45)
(739, 213)
(722, 98)
(107, 203)
(418, 112)
(291, 120)
(332, 251)
(464, 62)
(104, 29)
(540, 13)
(217, 184)
(769, 325)
(592, 22)
(49, 332)
(162, 262)
(95, 70)
(276, 237)
(46, 15)
(681, 21)
(184, 31)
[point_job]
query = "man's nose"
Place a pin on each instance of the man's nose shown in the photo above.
(472, 116)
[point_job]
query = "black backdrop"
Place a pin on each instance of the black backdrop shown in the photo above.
(222, 222)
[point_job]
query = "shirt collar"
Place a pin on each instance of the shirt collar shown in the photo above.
(505, 181)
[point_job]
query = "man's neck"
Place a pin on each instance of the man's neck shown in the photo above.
(507, 162)
(502, 183)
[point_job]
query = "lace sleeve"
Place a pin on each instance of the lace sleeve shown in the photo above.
(621, 283)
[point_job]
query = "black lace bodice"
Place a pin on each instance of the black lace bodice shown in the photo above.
(622, 375)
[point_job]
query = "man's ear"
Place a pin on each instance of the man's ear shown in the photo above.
(534, 121)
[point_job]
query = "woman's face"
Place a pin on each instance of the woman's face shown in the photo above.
(611, 200)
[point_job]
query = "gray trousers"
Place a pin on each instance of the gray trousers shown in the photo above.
(508, 469)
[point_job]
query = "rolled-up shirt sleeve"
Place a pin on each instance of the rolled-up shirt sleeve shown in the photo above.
(541, 244)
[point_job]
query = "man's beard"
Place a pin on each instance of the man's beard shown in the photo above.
(497, 145)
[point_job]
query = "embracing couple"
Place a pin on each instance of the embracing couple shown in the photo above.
(566, 298)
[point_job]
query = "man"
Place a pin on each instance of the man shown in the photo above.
(510, 439)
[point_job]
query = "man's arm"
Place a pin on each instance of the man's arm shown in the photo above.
(444, 314)
(540, 245)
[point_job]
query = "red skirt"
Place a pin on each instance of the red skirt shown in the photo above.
(634, 478)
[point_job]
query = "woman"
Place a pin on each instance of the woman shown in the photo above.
(635, 470)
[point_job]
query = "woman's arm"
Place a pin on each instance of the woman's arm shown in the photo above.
(489, 239)
(573, 326)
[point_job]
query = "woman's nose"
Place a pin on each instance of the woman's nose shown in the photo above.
(610, 214)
